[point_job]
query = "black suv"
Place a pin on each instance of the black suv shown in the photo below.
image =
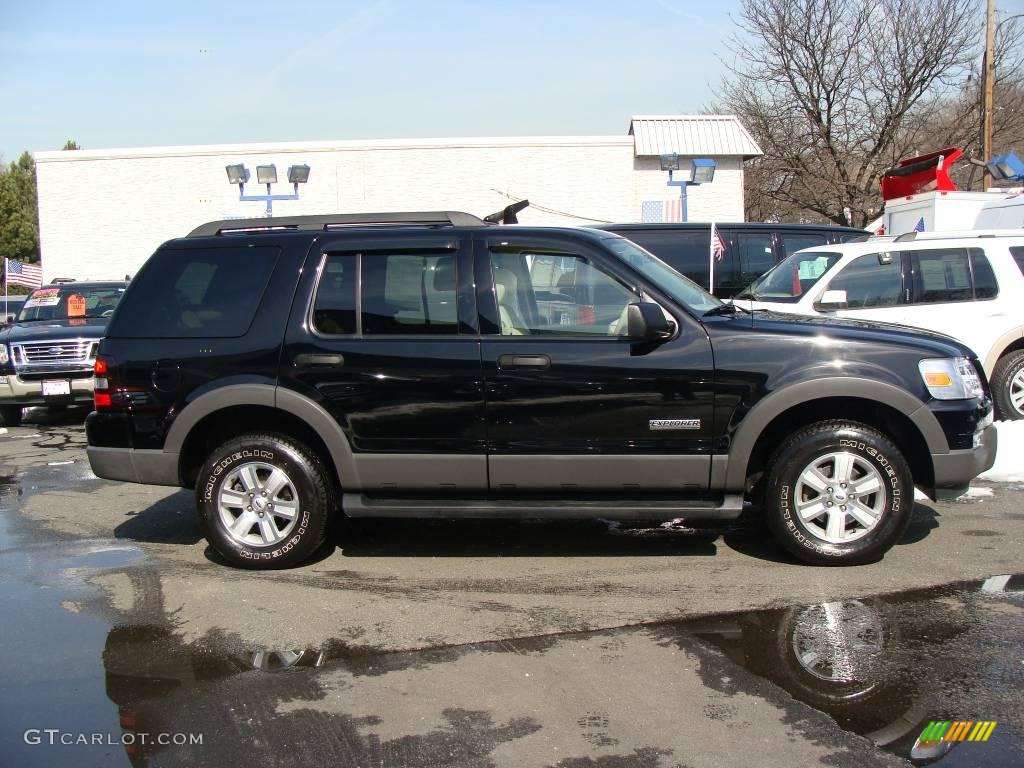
(748, 249)
(430, 365)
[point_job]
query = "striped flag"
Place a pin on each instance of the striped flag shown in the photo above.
(661, 211)
(717, 246)
(21, 273)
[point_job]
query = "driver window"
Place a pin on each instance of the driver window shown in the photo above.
(557, 294)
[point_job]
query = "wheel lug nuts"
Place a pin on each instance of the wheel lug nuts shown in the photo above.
(843, 508)
(830, 503)
(252, 495)
(249, 509)
(842, 485)
(264, 493)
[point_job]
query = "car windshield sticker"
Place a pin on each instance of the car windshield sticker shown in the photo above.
(44, 297)
(76, 305)
(809, 270)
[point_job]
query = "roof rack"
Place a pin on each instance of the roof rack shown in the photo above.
(323, 223)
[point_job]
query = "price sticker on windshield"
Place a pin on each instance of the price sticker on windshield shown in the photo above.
(76, 305)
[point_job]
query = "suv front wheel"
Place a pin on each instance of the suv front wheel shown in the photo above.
(838, 493)
(264, 501)
(1008, 386)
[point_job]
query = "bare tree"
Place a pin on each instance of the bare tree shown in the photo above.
(830, 89)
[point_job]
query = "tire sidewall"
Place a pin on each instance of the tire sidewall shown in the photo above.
(1002, 379)
(883, 456)
(304, 537)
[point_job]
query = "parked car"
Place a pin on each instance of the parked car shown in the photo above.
(47, 354)
(750, 249)
(968, 285)
(412, 365)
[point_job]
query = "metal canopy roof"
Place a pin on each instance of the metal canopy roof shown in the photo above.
(691, 135)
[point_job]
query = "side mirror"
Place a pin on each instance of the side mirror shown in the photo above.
(830, 301)
(647, 322)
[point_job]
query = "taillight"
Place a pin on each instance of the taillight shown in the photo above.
(101, 385)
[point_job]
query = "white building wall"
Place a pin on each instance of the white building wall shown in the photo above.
(103, 212)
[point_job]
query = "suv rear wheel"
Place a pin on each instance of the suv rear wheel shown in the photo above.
(1008, 386)
(264, 501)
(838, 493)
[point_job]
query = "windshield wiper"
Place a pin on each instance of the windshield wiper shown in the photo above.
(725, 309)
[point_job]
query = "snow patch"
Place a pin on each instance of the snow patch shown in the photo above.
(1009, 466)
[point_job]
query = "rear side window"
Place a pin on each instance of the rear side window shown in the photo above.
(1017, 252)
(793, 243)
(409, 293)
(952, 274)
(756, 255)
(687, 252)
(334, 309)
(196, 293)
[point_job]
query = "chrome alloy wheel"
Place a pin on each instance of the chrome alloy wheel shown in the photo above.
(1016, 392)
(258, 504)
(840, 497)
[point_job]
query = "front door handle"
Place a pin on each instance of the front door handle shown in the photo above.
(315, 359)
(524, 361)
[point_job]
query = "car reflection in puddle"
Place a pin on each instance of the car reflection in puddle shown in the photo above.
(885, 667)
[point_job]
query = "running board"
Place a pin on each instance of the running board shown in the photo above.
(728, 507)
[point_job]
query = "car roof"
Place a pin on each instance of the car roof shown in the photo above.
(748, 225)
(919, 240)
(86, 284)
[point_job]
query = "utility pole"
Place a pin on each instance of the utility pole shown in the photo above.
(989, 88)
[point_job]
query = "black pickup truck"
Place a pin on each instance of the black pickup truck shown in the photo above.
(431, 365)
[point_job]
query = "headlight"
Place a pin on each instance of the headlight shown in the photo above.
(5, 358)
(951, 378)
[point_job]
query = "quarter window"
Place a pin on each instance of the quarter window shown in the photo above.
(869, 283)
(794, 243)
(1018, 256)
(557, 294)
(756, 256)
(985, 285)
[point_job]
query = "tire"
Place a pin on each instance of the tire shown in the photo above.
(1008, 386)
(11, 415)
(802, 477)
(276, 473)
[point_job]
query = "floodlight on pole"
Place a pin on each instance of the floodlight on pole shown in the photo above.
(267, 174)
(702, 171)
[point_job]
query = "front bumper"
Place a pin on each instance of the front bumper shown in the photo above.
(954, 470)
(15, 390)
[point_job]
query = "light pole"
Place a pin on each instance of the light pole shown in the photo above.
(266, 174)
(988, 86)
(702, 171)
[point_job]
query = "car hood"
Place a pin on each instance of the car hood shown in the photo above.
(846, 329)
(86, 328)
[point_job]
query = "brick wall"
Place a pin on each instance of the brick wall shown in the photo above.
(102, 213)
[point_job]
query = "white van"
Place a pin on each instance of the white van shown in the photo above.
(968, 285)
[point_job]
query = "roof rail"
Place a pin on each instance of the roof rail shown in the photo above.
(957, 234)
(325, 222)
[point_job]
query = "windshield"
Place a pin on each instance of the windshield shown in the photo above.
(69, 302)
(680, 288)
(791, 278)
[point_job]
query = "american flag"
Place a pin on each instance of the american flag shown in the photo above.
(717, 246)
(661, 211)
(20, 273)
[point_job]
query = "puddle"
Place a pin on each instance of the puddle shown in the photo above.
(885, 667)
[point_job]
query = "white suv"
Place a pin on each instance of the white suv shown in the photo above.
(968, 285)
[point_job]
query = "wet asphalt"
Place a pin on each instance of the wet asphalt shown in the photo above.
(436, 644)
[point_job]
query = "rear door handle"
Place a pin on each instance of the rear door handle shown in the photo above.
(524, 361)
(315, 359)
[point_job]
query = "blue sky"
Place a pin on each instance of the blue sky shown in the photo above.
(122, 74)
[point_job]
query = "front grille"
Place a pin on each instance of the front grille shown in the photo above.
(64, 354)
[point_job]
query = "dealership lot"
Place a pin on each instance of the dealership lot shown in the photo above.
(502, 643)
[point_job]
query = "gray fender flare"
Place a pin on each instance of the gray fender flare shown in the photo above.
(762, 414)
(303, 408)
